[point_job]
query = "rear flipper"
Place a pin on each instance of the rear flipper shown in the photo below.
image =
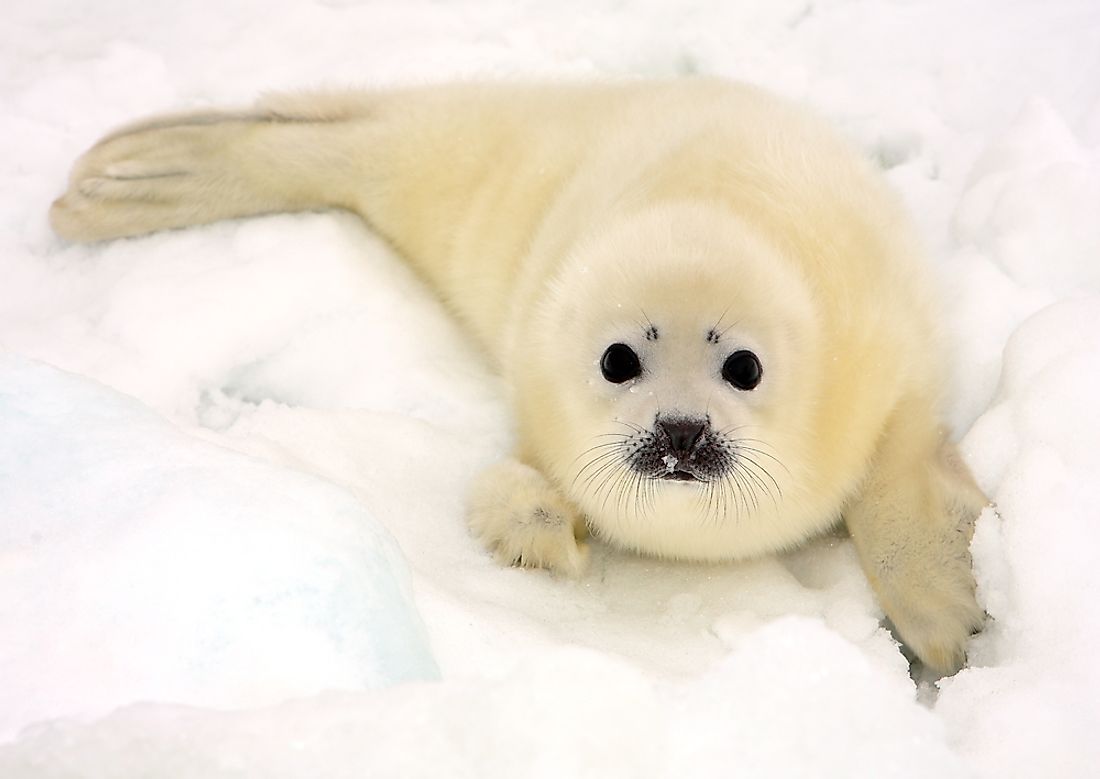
(191, 169)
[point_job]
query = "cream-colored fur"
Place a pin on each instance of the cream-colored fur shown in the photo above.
(685, 219)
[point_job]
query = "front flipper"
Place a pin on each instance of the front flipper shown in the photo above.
(523, 520)
(912, 523)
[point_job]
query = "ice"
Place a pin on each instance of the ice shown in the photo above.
(142, 564)
(259, 429)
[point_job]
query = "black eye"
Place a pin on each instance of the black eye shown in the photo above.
(742, 370)
(619, 363)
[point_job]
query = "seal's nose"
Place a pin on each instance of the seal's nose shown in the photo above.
(683, 434)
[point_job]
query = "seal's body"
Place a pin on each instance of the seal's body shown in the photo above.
(711, 312)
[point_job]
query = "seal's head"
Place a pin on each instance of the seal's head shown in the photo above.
(673, 386)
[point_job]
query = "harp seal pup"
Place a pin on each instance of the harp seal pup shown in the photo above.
(710, 311)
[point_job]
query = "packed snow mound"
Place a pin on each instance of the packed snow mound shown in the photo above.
(565, 712)
(1033, 678)
(140, 563)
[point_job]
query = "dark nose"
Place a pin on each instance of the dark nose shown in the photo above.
(683, 434)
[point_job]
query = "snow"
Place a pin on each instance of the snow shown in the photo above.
(143, 564)
(566, 712)
(234, 458)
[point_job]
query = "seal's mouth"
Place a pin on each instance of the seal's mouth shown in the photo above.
(679, 450)
(678, 475)
(678, 465)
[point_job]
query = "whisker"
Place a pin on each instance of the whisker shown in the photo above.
(761, 469)
(632, 426)
(629, 485)
(751, 476)
(725, 496)
(651, 495)
(599, 457)
(762, 477)
(611, 463)
(608, 445)
(610, 481)
(762, 453)
(715, 501)
(742, 499)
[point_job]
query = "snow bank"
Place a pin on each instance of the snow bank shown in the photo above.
(142, 564)
(567, 712)
(1030, 217)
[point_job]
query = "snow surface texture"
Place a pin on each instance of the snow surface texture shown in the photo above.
(211, 546)
(141, 563)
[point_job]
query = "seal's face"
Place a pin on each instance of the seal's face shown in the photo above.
(683, 447)
(681, 377)
(687, 432)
